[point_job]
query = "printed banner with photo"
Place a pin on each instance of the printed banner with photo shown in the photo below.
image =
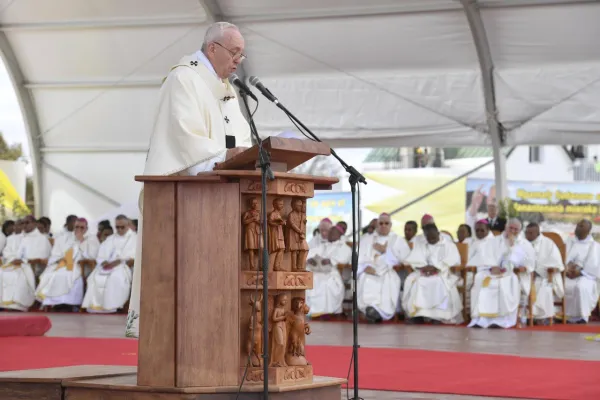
(556, 207)
(337, 206)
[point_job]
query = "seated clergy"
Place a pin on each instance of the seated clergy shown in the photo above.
(410, 231)
(547, 256)
(323, 236)
(13, 242)
(61, 284)
(109, 284)
(426, 220)
(327, 294)
(430, 291)
(17, 279)
(378, 284)
(583, 273)
(503, 281)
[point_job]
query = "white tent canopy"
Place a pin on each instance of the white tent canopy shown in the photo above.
(359, 73)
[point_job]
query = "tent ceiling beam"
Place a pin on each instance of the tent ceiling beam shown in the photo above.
(112, 23)
(486, 64)
(94, 84)
(30, 117)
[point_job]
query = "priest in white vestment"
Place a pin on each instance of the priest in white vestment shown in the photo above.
(13, 242)
(17, 280)
(547, 257)
(378, 284)
(109, 284)
(464, 234)
(430, 291)
(503, 281)
(410, 231)
(323, 236)
(197, 109)
(583, 274)
(61, 284)
(327, 294)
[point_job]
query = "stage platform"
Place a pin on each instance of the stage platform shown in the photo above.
(90, 382)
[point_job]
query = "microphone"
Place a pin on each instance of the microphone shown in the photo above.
(254, 81)
(235, 80)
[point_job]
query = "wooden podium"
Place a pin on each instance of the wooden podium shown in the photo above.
(197, 284)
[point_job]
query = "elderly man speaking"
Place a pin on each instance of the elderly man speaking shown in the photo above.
(197, 109)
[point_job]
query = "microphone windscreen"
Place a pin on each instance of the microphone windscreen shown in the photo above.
(229, 141)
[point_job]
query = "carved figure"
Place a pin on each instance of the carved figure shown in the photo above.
(276, 238)
(298, 330)
(298, 247)
(279, 332)
(254, 347)
(253, 239)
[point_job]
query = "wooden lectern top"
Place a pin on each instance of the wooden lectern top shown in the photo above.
(291, 152)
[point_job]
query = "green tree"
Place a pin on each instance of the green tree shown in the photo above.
(10, 152)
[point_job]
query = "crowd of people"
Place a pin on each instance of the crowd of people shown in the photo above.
(502, 278)
(67, 271)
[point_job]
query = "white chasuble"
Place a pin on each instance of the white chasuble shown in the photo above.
(196, 111)
(547, 256)
(109, 289)
(62, 281)
(12, 247)
(17, 282)
(434, 296)
(327, 294)
(581, 293)
(379, 290)
(495, 298)
(399, 251)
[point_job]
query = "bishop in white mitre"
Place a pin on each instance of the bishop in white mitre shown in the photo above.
(503, 281)
(430, 291)
(583, 274)
(547, 257)
(322, 237)
(327, 294)
(109, 284)
(378, 284)
(13, 242)
(197, 111)
(61, 283)
(17, 279)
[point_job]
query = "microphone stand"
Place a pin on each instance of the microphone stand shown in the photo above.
(354, 179)
(264, 159)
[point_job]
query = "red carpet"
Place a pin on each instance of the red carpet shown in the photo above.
(24, 325)
(380, 369)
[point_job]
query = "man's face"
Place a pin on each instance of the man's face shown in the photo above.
(105, 233)
(122, 226)
(10, 229)
(582, 230)
(71, 224)
(30, 225)
(513, 229)
(432, 236)
(409, 231)
(492, 210)
(372, 225)
(481, 230)
(226, 54)
(462, 233)
(324, 229)
(19, 226)
(384, 225)
(532, 233)
(334, 235)
(41, 227)
(80, 227)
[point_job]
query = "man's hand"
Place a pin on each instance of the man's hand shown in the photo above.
(429, 270)
(17, 262)
(380, 247)
(326, 261)
(234, 152)
(496, 271)
(520, 269)
(311, 262)
(370, 270)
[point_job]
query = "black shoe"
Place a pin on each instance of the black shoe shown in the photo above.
(372, 315)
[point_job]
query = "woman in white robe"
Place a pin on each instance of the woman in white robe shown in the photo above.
(378, 283)
(109, 284)
(547, 256)
(430, 291)
(327, 294)
(498, 290)
(583, 274)
(62, 281)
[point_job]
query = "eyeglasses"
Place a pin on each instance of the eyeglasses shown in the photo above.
(121, 227)
(236, 56)
(384, 223)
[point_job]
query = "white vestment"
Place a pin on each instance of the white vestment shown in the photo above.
(317, 241)
(547, 255)
(62, 281)
(327, 294)
(381, 290)
(495, 298)
(108, 290)
(581, 293)
(435, 296)
(196, 111)
(17, 282)
(12, 246)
